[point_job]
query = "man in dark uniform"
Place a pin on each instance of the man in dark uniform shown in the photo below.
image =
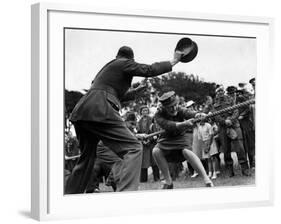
(230, 134)
(252, 81)
(174, 145)
(96, 117)
(247, 126)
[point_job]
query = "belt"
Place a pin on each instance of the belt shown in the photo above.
(115, 103)
(108, 89)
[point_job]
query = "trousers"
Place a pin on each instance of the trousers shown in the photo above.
(118, 138)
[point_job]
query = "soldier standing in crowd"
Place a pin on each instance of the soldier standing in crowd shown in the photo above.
(252, 81)
(173, 146)
(96, 117)
(230, 134)
(247, 127)
(253, 111)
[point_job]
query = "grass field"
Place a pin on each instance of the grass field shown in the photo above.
(185, 181)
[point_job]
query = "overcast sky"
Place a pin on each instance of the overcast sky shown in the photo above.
(224, 60)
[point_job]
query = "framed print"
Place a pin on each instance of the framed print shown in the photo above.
(148, 111)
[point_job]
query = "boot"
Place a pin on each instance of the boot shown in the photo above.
(143, 175)
(245, 169)
(156, 173)
(230, 171)
(168, 186)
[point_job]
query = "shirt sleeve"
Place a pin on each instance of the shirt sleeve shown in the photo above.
(164, 123)
(187, 114)
(234, 116)
(133, 68)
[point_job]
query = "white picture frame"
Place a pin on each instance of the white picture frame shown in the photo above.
(47, 199)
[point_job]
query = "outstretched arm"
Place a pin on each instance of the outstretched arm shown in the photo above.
(133, 68)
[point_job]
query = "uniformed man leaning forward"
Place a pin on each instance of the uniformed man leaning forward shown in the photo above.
(230, 134)
(96, 117)
(174, 145)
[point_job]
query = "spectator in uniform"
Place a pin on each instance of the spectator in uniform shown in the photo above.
(247, 127)
(252, 107)
(230, 134)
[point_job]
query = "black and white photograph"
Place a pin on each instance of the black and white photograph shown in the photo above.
(157, 111)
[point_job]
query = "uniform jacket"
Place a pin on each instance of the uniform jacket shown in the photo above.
(244, 111)
(102, 102)
(221, 103)
(168, 123)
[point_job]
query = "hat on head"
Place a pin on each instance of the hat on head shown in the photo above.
(252, 80)
(231, 89)
(200, 115)
(240, 91)
(125, 52)
(190, 103)
(130, 116)
(169, 99)
(219, 88)
(143, 107)
(182, 45)
(242, 85)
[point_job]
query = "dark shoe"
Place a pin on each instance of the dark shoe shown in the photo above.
(114, 187)
(209, 184)
(156, 179)
(97, 190)
(246, 173)
(231, 173)
(168, 186)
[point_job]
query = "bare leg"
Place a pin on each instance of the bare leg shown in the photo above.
(214, 161)
(196, 164)
(162, 164)
(210, 167)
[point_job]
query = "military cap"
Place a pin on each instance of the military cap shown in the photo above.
(242, 85)
(168, 99)
(219, 88)
(252, 80)
(182, 45)
(240, 91)
(231, 89)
